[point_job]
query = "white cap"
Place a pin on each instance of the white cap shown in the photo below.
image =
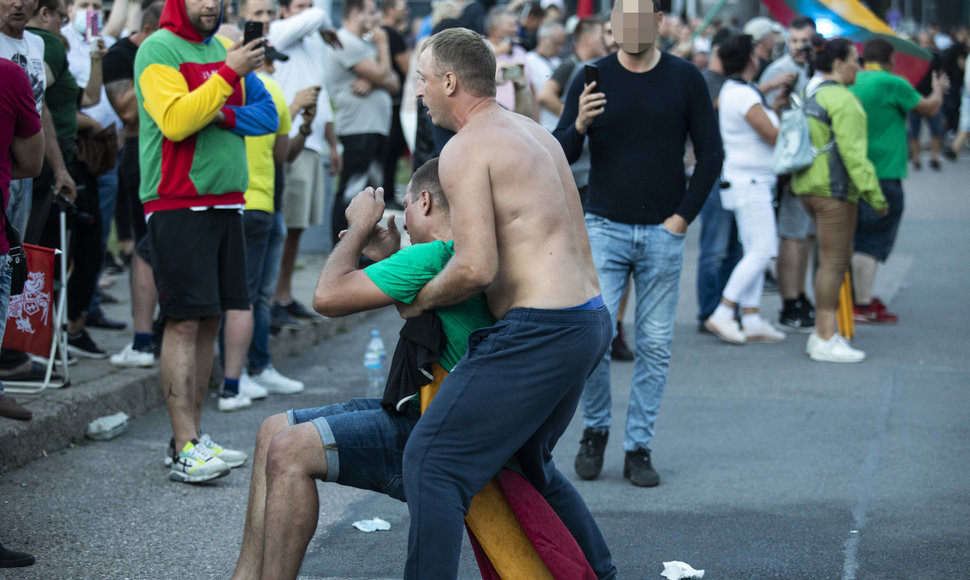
(759, 27)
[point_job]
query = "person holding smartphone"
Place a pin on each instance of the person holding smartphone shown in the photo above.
(513, 89)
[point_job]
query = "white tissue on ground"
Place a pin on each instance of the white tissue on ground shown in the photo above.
(374, 525)
(677, 570)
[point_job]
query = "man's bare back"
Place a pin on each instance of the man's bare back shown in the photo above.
(505, 173)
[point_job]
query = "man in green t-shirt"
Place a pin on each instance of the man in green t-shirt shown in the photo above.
(357, 443)
(887, 99)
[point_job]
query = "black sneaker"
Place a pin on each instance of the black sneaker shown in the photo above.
(619, 350)
(638, 469)
(13, 559)
(97, 319)
(589, 460)
(280, 319)
(297, 310)
(82, 345)
(798, 315)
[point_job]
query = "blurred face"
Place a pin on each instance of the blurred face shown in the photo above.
(260, 11)
(56, 18)
(848, 68)
(369, 17)
(552, 45)
(798, 41)
(204, 15)
(635, 25)
(14, 15)
(413, 220)
(609, 41)
(94, 5)
(295, 7)
(506, 27)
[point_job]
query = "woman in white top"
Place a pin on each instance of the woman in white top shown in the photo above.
(748, 129)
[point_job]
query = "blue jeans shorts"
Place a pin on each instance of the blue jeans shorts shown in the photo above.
(876, 235)
(364, 443)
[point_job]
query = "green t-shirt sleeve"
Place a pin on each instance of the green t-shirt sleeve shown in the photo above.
(402, 275)
(906, 95)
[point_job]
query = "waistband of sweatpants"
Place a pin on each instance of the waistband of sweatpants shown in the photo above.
(558, 316)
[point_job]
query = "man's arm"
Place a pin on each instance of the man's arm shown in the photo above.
(286, 32)
(549, 96)
(92, 92)
(343, 288)
(930, 106)
(466, 182)
(577, 117)
(121, 96)
(708, 151)
(379, 72)
(27, 156)
(258, 116)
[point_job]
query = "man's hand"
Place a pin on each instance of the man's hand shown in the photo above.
(366, 209)
(306, 98)
(244, 59)
(779, 81)
(378, 36)
(591, 105)
(98, 50)
(383, 241)
(63, 182)
(330, 37)
(220, 119)
(941, 83)
(676, 224)
(336, 163)
(408, 311)
(361, 87)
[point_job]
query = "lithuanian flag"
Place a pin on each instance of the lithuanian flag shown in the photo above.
(850, 19)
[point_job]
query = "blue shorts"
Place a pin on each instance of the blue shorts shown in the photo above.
(916, 121)
(364, 444)
(876, 235)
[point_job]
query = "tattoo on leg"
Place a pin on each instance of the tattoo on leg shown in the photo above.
(171, 391)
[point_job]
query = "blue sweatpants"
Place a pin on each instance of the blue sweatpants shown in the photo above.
(513, 394)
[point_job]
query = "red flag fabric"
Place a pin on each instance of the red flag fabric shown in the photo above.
(30, 318)
(584, 8)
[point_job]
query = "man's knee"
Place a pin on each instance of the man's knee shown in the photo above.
(270, 428)
(296, 450)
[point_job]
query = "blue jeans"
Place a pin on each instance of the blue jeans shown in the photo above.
(5, 274)
(654, 256)
(265, 233)
(107, 195)
(18, 208)
(719, 253)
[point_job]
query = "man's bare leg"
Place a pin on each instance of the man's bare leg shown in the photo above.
(250, 563)
(238, 333)
(144, 295)
(291, 246)
(204, 348)
(792, 267)
(178, 377)
(863, 277)
(294, 461)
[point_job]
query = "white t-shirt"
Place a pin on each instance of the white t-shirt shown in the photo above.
(744, 150)
(79, 63)
(28, 52)
(299, 38)
(356, 115)
(540, 70)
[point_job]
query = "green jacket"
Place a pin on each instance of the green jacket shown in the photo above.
(843, 172)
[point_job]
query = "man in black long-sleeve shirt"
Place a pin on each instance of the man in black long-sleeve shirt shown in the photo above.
(638, 118)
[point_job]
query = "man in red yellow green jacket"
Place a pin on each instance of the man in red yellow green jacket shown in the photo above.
(197, 99)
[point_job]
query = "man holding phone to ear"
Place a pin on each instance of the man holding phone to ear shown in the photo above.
(197, 100)
(638, 208)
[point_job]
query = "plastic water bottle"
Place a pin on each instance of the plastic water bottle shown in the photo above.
(374, 358)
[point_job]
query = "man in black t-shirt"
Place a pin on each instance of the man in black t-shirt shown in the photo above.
(637, 118)
(395, 16)
(119, 73)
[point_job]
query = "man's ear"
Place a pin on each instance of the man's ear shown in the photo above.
(426, 202)
(450, 83)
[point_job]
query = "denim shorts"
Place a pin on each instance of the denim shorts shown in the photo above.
(794, 223)
(876, 235)
(364, 443)
(916, 121)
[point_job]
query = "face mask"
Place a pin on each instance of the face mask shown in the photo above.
(81, 21)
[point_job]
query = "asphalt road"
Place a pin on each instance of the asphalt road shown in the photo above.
(771, 466)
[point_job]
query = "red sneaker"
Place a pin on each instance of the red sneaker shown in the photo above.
(874, 313)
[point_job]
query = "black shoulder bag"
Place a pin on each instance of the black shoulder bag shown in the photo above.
(18, 259)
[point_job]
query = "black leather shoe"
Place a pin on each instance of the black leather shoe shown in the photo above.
(14, 559)
(589, 460)
(97, 319)
(638, 469)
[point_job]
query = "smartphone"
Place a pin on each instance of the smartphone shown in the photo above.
(592, 75)
(512, 72)
(92, 28)
(253, 31)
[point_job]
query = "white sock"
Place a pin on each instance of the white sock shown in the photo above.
(751, 321)
(723, 312)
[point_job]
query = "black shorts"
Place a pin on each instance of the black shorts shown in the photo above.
(199, 261)
(876, 235)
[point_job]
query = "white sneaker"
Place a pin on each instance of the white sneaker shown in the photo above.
(196, 464)
(835, 349)
(726, 330)
(248, 387)
(812, 343)
(271, 380)
(131, 358)
(230, 457)
(240, 401)
(763, 332)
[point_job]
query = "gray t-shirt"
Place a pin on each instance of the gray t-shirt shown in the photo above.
(783, 65)
(356, 115)
(28, 53)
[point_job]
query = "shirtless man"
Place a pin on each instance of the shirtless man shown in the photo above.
(520, 238)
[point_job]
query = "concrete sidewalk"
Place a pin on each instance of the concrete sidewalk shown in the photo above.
(98, 388)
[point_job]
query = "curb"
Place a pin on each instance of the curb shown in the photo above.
(61, 416)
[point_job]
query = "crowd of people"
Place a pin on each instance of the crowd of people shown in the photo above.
(141, 117)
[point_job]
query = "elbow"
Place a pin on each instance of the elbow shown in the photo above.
(329, 304)
(479, 277)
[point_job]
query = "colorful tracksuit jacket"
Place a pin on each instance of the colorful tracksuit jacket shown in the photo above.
(182, 83)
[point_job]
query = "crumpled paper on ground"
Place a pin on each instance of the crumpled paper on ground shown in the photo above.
(374, 525)
(677, 570)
